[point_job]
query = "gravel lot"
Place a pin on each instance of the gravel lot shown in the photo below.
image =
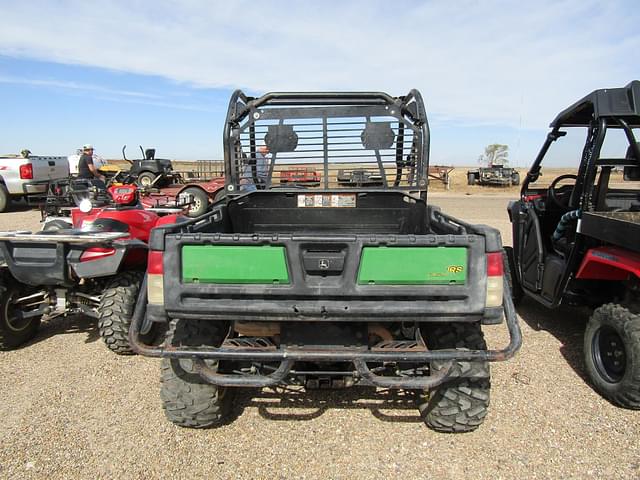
(71, 409)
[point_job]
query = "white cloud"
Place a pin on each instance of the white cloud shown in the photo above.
(68, 85)
(488, 62)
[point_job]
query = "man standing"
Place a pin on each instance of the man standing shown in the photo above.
(86, 168)
(256, 170)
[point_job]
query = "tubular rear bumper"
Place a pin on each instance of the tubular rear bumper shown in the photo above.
(288, 356)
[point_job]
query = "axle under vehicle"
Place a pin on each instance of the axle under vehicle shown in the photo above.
(577, 241)
(333, 285)
(94, 268)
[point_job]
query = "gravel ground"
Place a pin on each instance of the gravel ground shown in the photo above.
(71, 409)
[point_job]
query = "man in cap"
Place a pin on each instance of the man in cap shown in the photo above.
(86, 168)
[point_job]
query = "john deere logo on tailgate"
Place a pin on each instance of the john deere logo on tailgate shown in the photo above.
(455, 268)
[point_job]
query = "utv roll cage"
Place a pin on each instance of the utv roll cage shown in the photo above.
(602, 109)
(326, 131)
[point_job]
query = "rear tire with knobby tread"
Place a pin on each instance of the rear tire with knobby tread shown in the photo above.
(116, 309)
(625, 390)
(187, 399)
(461, 404)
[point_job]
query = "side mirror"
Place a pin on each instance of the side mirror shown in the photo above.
(631, 173)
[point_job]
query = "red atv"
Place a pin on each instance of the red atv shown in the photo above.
(577, 240)
(94, 268)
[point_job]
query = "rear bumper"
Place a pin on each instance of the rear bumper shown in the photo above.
(35, 187)
(314, 311)
(287, 356)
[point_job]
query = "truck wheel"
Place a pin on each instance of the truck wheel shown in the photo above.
(200, 201)
(116, 309)
(4, 198)
(612, 354)
(15, 330)
(471, 179)
(515, 178)
(512, 279)
(187, 399)
(145, 179)
(461, 404)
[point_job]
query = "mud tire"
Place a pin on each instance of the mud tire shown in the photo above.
(116, 309)
(187, 399)
(461, 404)
(620, 384)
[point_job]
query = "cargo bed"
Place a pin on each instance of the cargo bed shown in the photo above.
(617, 228)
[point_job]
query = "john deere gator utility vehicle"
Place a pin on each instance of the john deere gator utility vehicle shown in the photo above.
(330, 285)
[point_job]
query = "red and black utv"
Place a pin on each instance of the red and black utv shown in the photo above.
(577, 241)
(94, 268)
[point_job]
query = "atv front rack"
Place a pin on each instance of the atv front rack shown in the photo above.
(447, 359)
(76, 237)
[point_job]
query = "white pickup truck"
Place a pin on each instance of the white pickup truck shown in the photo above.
(22, 176)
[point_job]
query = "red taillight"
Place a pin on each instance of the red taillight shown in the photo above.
(495, 279)
(154, 264)
(26, 171)
(495, 265)
(96, 253)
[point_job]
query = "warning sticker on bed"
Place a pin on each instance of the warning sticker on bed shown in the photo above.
(327, 200)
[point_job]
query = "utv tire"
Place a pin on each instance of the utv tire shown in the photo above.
(14, 332)
(55, 225)
(200, 201)
(145, 179)
(187, 399)
(5, 199)
(461, 404)
(517, 293)
(116, 309)
(612, 354)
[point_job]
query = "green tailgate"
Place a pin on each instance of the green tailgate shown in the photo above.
(413, 266)
(234, 264)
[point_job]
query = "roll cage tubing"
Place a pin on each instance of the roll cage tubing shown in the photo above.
(586, 172)
(235, 115)
(586, 176)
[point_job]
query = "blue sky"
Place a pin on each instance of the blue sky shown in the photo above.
(160, 73)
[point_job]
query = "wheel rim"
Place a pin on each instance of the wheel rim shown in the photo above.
(195, 206)
(16, 323)
(609, 354)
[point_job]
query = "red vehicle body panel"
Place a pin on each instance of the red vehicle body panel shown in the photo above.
(609, 263)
